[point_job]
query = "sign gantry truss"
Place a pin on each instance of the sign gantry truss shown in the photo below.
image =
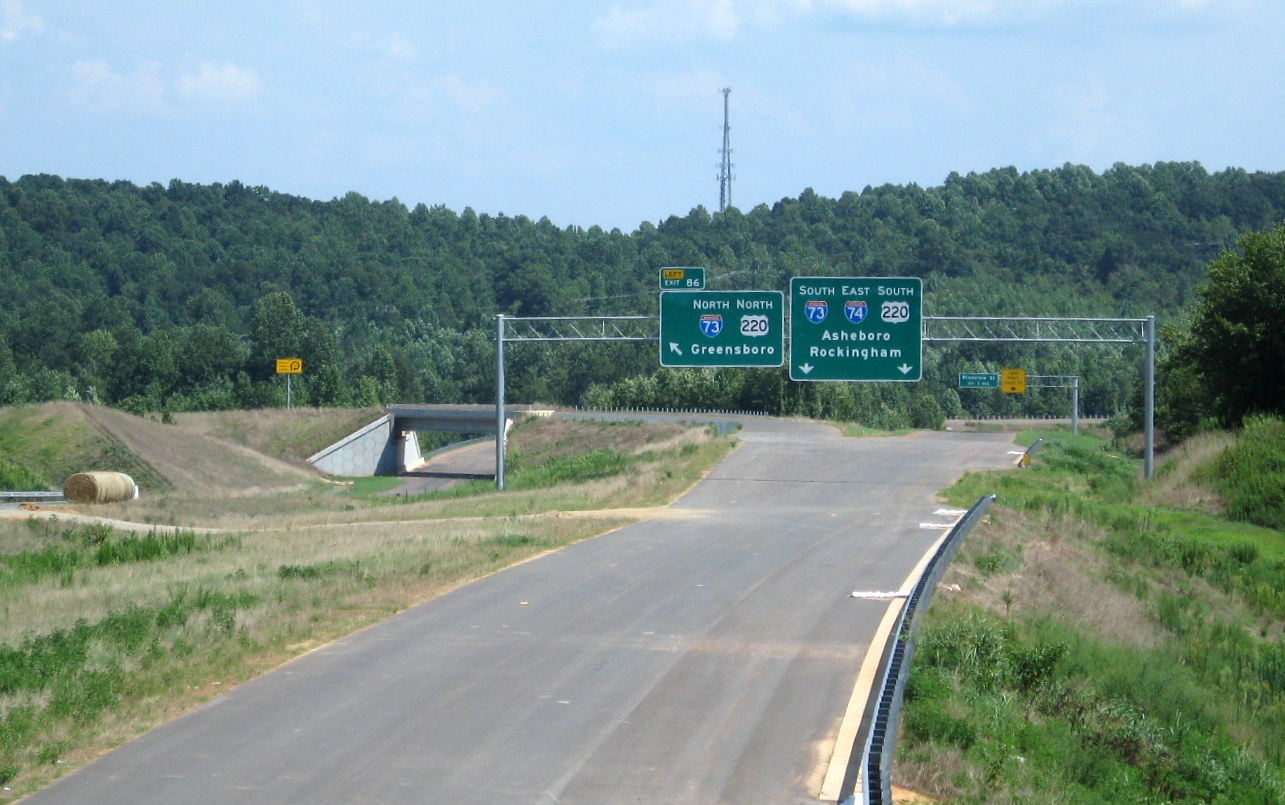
(579, 328)
(934, 328)
(1093, 331)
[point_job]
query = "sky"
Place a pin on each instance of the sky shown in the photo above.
(593, 112)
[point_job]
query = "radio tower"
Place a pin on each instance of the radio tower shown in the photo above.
(725, 166)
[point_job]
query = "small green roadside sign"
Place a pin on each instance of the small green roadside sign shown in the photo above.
(722, 328)
(682, 279)
(979, 380)
(856, 328)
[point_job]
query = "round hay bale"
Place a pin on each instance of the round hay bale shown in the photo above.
(100, 487)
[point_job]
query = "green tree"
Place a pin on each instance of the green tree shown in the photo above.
(1236, 346)
(278, 331)
(383, 370)
(207, 355)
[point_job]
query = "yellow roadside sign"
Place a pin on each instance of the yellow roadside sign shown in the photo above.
(1013, 381)
(289, 366)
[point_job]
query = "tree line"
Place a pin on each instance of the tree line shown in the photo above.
(182, 297)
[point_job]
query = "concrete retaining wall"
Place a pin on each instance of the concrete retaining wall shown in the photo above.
(370, 452)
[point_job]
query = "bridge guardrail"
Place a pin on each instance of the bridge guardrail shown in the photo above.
(876, 758)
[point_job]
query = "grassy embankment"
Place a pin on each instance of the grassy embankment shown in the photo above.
(104, 632)
(1102, 638)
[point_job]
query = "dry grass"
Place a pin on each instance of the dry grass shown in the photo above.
(1043, 567)
(293, 434)
(1173, 486)
(191, 462)
(431, 555)
(552, 438)
(930, 775)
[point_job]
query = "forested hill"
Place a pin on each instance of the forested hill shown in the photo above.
(179, 297)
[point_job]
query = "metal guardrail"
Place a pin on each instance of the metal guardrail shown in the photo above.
(9, 496)
(1025, 460)
(876, 759)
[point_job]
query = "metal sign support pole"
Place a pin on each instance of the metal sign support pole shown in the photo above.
(1063, 330)
(555, 328)
(1075, 404)
(499, 402)
(1149, 423)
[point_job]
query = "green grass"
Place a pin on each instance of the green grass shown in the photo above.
(366, 487)
(857, 430)
(79, 672)
(16, 477)
(1030, 704)
(601, 463)
(53, 446)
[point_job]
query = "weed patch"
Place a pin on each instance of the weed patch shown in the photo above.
(16, 477)
(319, 570)
(1250, 475)
(92, 545)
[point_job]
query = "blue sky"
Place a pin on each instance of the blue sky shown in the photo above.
(610, 113)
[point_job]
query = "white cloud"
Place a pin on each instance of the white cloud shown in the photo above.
(473, 98)
(1089, 120)
(950, 13)
(437, 101)
(14, 21)
(219, 83)
(399, 49)
(940, 12)
(626, 24)
(669, 19)
(661, 20)
(95, 84)
(1093, 118)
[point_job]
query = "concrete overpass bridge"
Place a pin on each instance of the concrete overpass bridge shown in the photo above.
(388, 445)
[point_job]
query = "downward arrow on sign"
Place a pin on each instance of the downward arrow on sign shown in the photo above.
(905, 368)
(806, 368)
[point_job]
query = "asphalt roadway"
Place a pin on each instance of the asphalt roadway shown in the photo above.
(707, 656)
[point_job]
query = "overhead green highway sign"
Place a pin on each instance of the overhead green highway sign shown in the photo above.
(682, 279)
(722, 328)
(979, 380)
(856, 328)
